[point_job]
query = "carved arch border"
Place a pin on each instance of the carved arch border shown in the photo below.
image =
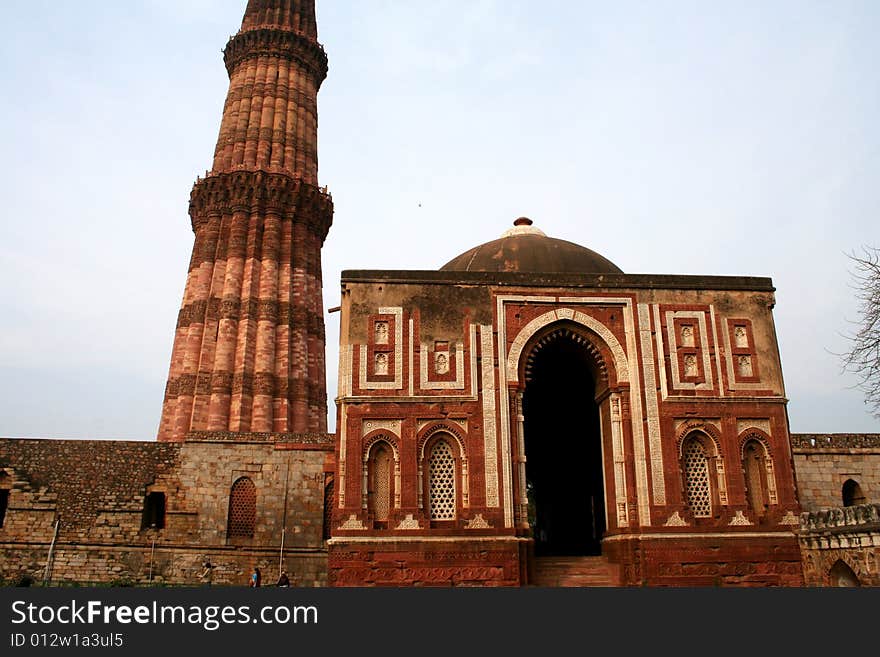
(684, 432)
(857, 567)
(380, 435)
(527, 332)
(599, 352)
(423, 437)
(753, 433)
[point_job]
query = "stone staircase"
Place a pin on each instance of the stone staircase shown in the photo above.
(574, 571)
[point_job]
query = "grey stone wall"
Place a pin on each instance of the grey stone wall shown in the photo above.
(823, 462)
(95, 491)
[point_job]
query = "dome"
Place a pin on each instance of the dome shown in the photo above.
(525, 248)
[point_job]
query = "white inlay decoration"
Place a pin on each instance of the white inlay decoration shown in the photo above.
(458, 384)
(352, 523)
(397, 383)
(381, 333)
(409, 523)
(744, 424)
(388, 425)
(734, 363)
(691, 369)
(490, 433)
(619, 456)
(651, 407)
(478, 522)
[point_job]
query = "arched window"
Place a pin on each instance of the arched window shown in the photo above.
(379, 486)
(154, 511)
(842, 575)
(242, 509)
(852, 493)
(441, 481)
(755, 471)
(695, 466)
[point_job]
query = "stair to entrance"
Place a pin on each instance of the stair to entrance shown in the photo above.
(574, 571)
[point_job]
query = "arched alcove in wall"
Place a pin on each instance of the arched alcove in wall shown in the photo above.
(842, 575)
(852, 493)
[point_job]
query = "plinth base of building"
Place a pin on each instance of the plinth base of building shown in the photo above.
(710, 559)
(425, 561)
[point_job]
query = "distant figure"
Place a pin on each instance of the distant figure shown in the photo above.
(208, 573)
(283, 580)
(256, 578)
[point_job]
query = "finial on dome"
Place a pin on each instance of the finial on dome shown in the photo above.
(522, 226)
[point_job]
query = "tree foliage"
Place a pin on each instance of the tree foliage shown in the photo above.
(863, 356)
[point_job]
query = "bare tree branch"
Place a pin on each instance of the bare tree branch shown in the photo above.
(863, 356)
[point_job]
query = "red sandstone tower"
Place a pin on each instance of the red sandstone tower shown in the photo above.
(248, 351)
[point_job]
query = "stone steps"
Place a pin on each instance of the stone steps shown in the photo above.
(574, 572)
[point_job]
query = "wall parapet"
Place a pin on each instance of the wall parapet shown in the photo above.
(313, 438)
(864, 517)
(833, 441)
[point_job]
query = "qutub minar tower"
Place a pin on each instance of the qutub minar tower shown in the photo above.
(248, 351)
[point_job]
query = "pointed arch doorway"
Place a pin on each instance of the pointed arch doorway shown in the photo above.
(563, 445)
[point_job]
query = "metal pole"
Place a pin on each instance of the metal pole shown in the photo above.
(281, 555)
(152, 550)
(284, 517)
(47, 571)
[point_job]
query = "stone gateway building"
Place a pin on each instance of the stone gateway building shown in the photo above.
(527, 415)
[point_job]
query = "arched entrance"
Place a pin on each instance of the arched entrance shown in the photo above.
(842, 575)
(563, 448)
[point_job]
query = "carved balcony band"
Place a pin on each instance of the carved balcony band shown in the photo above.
(269, 42)
(260, 193)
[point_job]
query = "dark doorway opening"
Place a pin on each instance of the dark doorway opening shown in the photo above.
(563, 450)
(852, 493)
(4, 502)
(154, 511)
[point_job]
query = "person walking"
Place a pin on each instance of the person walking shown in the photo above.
(208, 573)
(256, 578)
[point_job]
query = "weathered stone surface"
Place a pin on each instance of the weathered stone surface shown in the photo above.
(96, 492)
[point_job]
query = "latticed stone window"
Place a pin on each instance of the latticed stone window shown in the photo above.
(696, 478)
(328, 507)
(441, 469)
(380, 483)
(242, 509)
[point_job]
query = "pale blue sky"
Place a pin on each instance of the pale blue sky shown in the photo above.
(672, 137)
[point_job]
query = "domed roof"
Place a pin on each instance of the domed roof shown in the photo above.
(525, 248)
